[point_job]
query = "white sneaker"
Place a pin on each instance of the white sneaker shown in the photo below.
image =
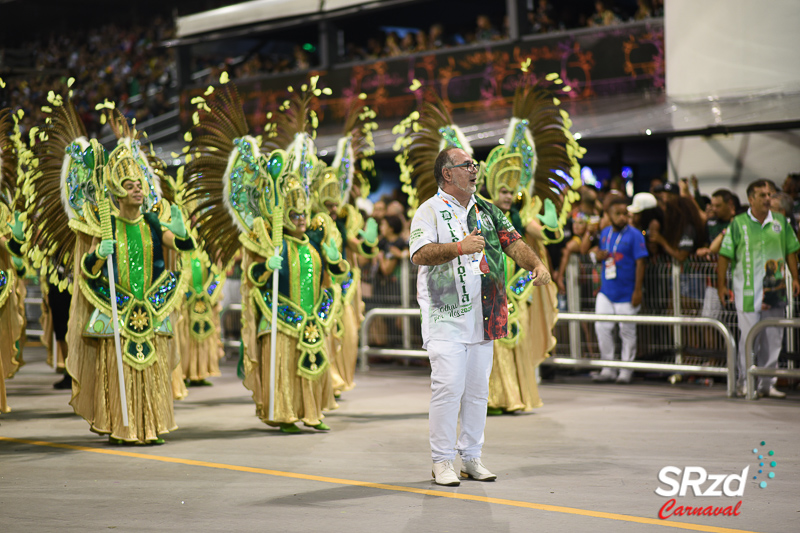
(605, 375)
(773, 393)
(625, 376)
(445, 474)
(474, 469)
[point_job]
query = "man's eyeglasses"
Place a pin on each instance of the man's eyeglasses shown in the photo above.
(296, 216)
(471, 166)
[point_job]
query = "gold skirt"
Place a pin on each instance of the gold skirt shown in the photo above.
(296, 398)
(343, 362)
(512, 383)
(12, 328)
(179, 390)
(95, 391)
(199, 359)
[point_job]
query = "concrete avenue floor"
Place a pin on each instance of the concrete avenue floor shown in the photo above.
(589, 460)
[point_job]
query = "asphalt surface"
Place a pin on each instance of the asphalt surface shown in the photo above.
(589, 460)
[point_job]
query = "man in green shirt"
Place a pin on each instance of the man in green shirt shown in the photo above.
(759, 243)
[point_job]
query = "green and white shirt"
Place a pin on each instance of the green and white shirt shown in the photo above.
(457, 304)
(758, 253)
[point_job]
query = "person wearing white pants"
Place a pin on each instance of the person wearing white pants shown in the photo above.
(758, 245)
(458, 242)
(459, 379)
(622, 250)
(605, 337)
(766, 348)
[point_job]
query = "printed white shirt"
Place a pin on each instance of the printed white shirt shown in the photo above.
(449, 295)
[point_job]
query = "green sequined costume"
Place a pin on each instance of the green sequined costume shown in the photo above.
(146, 294)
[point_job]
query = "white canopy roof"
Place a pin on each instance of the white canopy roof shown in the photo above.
(257, 11)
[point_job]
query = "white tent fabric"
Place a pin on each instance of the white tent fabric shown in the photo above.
(257, 11)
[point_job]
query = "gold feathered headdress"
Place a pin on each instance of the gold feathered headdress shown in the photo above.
(61, 187)
(132, 159)
(10, 178)
(354, 151)
(539, 135)
(431, 131)
(294, 130)
(223, 175)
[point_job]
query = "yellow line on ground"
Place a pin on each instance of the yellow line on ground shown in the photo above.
(381, 486)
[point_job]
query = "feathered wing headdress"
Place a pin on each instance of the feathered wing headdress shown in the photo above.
(10, 177)
(308, 179)
(60, 187)
(539, 133)
(431, 131)
(133, 158)
(231, 182)
(354, 152)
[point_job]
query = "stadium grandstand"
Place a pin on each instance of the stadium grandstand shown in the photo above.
(152, 57)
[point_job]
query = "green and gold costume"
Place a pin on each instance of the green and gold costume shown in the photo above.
(199, 329)
(337, 187)
(245, 196)
(12, 310)
(81, 173)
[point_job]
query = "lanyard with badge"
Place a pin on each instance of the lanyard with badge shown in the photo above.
(478, 262)
(611, 264)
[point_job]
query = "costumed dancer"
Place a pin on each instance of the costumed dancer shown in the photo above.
(12, 238)
(525, 177)
(198, 331)
(131, 403)
(61, 231)
(333, 196)
(260, 200)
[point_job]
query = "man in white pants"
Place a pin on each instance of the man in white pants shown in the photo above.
(759, 243)
(458, 240)
(622, 251)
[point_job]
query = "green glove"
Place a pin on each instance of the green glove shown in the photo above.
(370, 234)
(176, 224)
(16, 228)
(331, 251)
(275, 262)
(550, 218)
(105, 248)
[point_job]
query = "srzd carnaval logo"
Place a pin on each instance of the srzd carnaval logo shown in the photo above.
(695, 477)
(678, 481)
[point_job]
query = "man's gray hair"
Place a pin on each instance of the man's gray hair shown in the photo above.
(441, 160)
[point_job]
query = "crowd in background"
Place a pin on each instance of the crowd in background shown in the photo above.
(677, 220)
(126, 63)
(545, 17)
(121, 64)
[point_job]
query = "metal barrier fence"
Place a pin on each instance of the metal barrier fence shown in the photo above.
(231, 325)
(752, 370)
(671, 291)
(396, 290)
(33, 308)
(729, 370)
(364, 348)
(668, 290)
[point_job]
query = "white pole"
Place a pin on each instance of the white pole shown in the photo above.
(273, 340)
(277, 241)
(115, 318)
